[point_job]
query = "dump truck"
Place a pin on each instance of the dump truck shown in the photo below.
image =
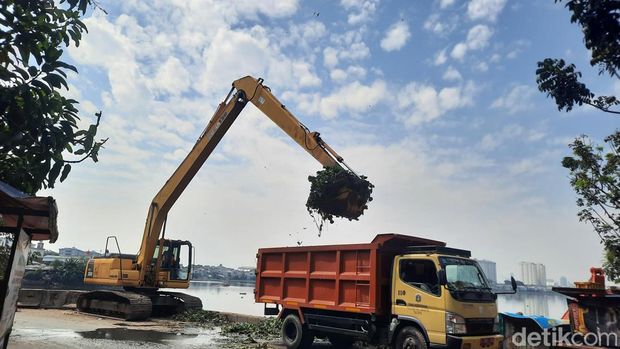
(398, 290)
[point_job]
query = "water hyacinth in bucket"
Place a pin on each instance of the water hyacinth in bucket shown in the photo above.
(336, 192)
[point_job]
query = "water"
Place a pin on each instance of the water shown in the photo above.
(219, 297)
(236, 298)
(548, 304)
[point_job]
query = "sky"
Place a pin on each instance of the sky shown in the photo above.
(435, 101)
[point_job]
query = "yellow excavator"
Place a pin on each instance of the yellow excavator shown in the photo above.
(135, 280)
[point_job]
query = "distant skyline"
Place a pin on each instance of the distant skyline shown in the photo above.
(435, 101)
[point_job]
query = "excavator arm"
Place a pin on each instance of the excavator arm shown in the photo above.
(244, 90)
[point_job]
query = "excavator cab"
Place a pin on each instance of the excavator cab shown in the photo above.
(173, 262)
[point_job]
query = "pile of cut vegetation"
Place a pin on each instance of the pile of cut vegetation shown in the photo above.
(336, 192)
(264, 329)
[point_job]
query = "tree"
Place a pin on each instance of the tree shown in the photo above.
(594, 171)
(595, 177)
(39, 135)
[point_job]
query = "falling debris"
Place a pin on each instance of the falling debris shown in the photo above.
(335, 192)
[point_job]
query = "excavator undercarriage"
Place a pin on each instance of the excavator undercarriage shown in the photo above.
(135, 305)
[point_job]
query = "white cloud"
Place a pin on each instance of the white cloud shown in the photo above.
(172, 77)
(482, 67)
(361, 10)
(445, 3)
(459, 51)
(351, 99)
(396, 37)
(527, 166)
(330, 56)
(421, 103)
(436, 25)
(440, 57)
(477, 39)
(452, 74)
(510, 133)
(516, 100)
(485, 9)
(354, 72)
(347, 46)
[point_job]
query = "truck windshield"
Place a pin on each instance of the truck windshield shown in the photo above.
(463, 274)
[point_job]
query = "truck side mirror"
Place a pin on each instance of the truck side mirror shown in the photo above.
(513, 283)
(441, 275)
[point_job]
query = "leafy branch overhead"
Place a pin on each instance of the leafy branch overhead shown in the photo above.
(39, 133)
(600, 24)
(561, 82)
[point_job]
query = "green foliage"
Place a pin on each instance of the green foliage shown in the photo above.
(335, 192)
(595, 177)
(611, 261)
(600, 23)
(561, 82)
(203, 317)
(69, 272)
(34, 257)
(267, 328)
(38, 125)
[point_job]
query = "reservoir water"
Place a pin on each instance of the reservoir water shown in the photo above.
(239, 298)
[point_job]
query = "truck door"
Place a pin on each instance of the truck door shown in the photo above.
(417, 294)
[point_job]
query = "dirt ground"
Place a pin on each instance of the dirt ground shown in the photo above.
(56, 329)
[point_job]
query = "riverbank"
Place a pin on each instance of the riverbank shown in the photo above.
(60, 329)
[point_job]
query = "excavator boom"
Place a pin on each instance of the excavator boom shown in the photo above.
(244, 90)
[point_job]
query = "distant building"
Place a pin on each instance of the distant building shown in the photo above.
(50, 259)
(563, 282)
(73, 252)
(247, 269)
(490, 270)
(38, 248)
(533, 274)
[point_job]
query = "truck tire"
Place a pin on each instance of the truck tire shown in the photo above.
(410, 338)
(340, 341)
(294, 334)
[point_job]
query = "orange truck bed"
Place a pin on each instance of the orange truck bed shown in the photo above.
(350, 278)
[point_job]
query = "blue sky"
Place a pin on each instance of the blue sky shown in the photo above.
(435, 101)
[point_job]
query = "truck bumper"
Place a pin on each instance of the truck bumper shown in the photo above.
(473, 342)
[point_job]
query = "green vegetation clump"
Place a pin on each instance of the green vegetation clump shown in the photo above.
(241, 332)
(336, 192)
(268, 328)
(202, 317)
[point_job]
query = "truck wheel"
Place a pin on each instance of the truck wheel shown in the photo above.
(340, 341)
(294, 334)
(410, 338)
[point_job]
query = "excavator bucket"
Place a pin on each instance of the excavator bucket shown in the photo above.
(340, 193)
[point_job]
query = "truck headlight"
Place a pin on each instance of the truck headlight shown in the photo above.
(455, 324)
(496, 327)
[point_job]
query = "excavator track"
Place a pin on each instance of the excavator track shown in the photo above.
(136, 306)
(120, 304)
(170, 303)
